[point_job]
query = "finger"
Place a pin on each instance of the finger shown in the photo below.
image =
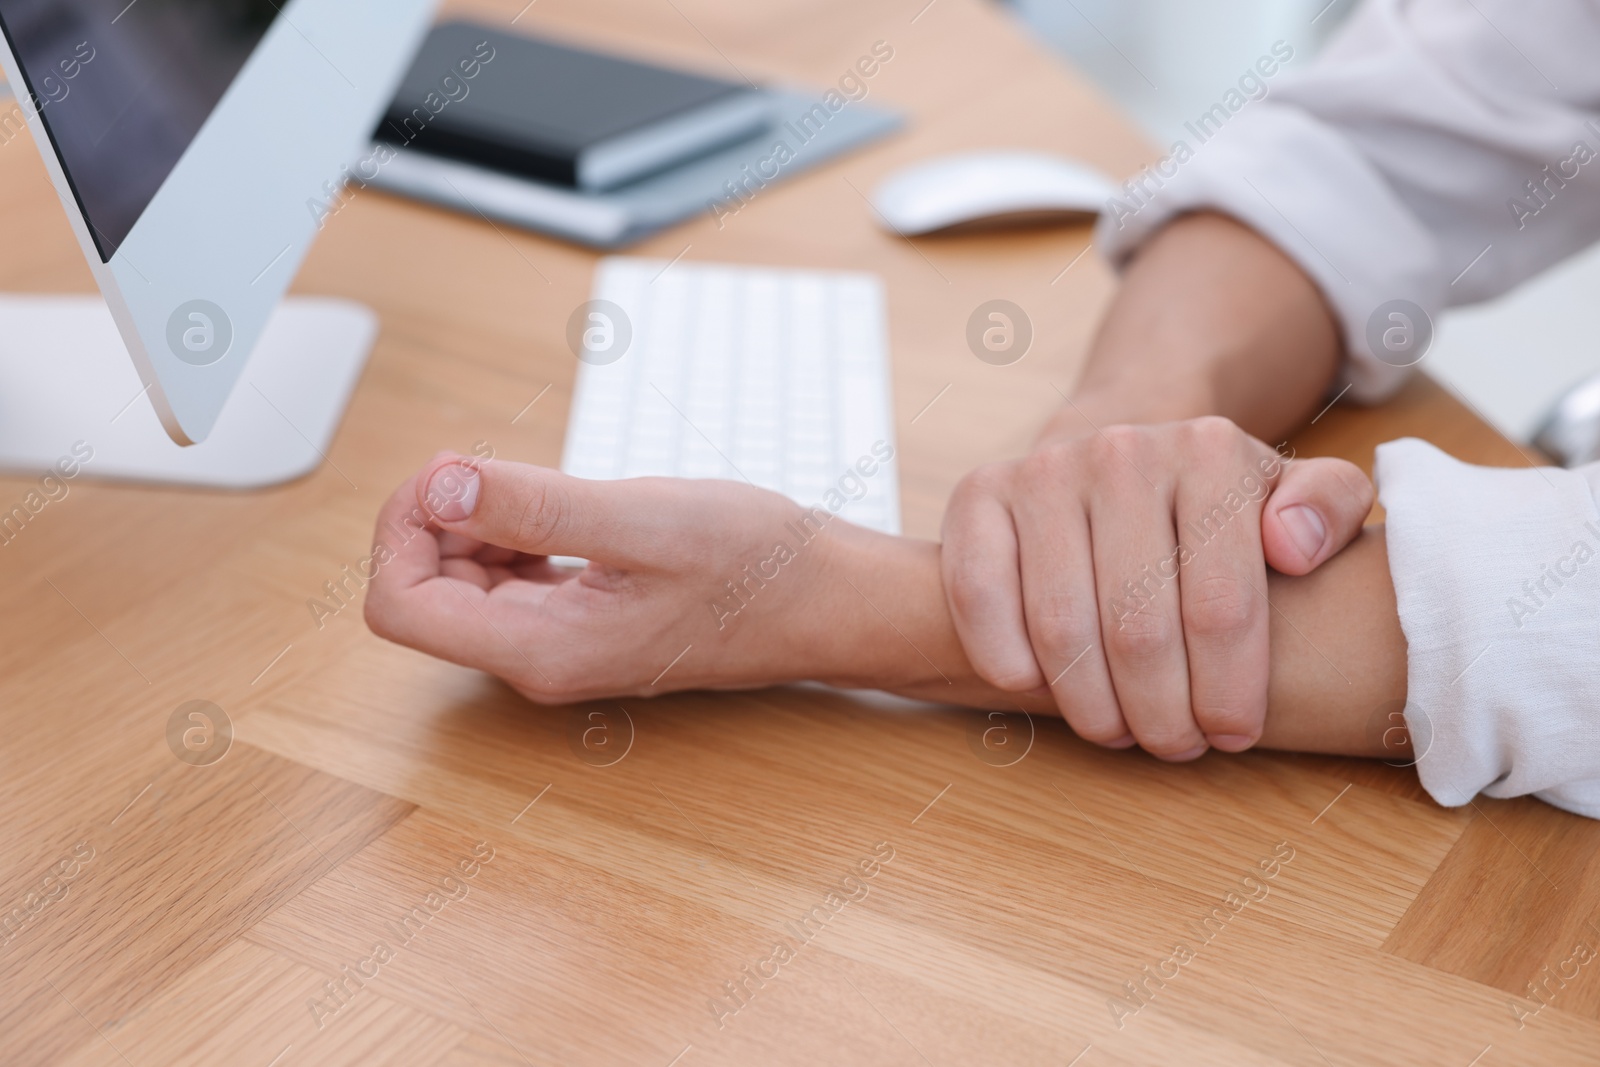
(411, 559)
(983, 585)
(1063, 616)
(1317, 509)
(410, 602)
(454, 545)
(1222, 589)
(498, 631)
(495, 556)
(1136, 571)
(466, 569)
(404, 600)
(542, 512)
(403, 544)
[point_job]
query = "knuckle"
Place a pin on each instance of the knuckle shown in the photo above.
(1212, 439)
(1167, 739)
(544, 515)
(1213, 430)
(1222, 715)
(1114, 442)
(1051, 465)
(988, 480)
(968, 499)
(1008, 677)
(1220, 606)
(1357, 487)
(1098, 725)
(1062, 627)
(970, 592)
(1142, 637)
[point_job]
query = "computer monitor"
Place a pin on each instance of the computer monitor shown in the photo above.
(195, 144)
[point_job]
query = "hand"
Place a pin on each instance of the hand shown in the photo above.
(675, 565)
(1124, 572)
(850, 606)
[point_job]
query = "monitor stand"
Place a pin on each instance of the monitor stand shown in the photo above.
(65, 377)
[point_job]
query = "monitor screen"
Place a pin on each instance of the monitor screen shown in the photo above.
(124, 87)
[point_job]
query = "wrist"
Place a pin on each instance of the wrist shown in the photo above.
(838, 643)
(874, 614)
(811, 630)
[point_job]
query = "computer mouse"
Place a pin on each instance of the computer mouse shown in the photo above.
(990, 189)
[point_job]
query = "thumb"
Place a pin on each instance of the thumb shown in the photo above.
(529, 509)
(1317, 508)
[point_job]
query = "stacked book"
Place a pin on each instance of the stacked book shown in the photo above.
(590, 147)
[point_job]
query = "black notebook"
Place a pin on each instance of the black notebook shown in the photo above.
(560, 114)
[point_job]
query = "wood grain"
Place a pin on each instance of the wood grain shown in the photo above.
(622, 901)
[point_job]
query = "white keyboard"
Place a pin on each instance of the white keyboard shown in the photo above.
(776, 377)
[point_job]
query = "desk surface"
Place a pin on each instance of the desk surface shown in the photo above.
(233, 913)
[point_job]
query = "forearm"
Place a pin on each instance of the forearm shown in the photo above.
(1210, 319)
(1338, 654)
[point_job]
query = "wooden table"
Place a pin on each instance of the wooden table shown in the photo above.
(233, 913)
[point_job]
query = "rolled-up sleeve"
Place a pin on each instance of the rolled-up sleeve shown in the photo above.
(1497, 578)
(1438, 152)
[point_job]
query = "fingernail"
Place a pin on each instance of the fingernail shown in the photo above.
(1125, 741)
(1183, 757)
(1230, 742)
(453, 493)
(1305, 527)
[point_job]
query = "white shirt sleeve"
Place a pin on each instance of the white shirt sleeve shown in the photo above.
(1497, 575)
(1439, 151)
